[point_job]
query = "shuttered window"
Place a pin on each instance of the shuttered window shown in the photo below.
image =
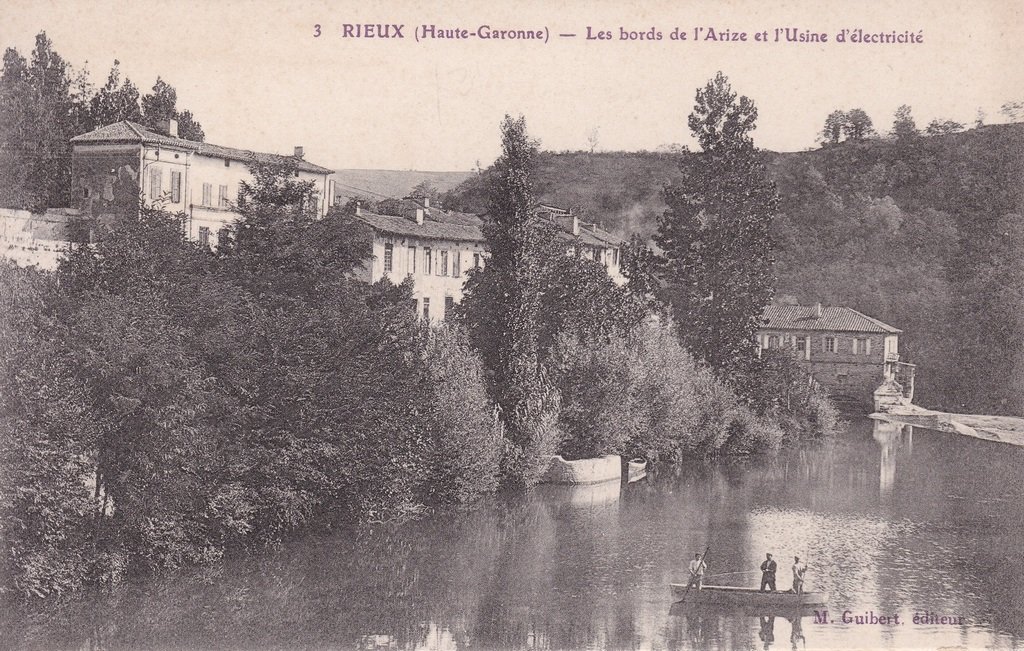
(155, 183)
(222, 199)
(207, 194)
(175, 187)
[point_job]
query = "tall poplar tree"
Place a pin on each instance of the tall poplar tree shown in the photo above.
(503, 306)
(717, 250)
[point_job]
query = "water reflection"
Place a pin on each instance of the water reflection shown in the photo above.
(883, 527)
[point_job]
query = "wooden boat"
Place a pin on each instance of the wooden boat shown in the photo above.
(730, 595)
(636, 469)
(582, 471)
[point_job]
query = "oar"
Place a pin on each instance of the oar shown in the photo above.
(731, 573)
(703, 561)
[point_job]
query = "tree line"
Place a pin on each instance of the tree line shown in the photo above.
(45, 101)
(856, 124)
(165, 404)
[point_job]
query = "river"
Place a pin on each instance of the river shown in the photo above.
(891, 521)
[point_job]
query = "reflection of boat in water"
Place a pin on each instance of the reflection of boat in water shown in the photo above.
(730, 595)
(582, 471)
(636, 469)
(690, 608)
(585, 495)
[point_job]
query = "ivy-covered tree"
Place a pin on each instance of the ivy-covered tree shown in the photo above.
(717, 250)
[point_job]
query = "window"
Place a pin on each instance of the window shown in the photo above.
(449, 303)
(867, 345)
(222, 197)
(476, 260)
(175, 187)
(615, 257)
(426, 308)
(411, 263)
(800, 343)
(227, 162)
(223, 235)
(829, 344)
(155, 181)
(428, 260)
(204, 236)
(773, 341)
(207, 194)
(389, 256)
(456, 264)
(444, 264)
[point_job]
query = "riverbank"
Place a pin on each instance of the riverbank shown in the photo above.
(1003, 429)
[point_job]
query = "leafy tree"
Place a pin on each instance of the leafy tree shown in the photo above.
(640, 267)
(189, 128)
(39, 116)
(510, 302)
(1014, 111)
(945, 127)
(425, 190)
(161, 105)
(116, 101)
(834, 127)
(903, 125)
(715, 235)
(858, 125)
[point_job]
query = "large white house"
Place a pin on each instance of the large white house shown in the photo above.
(436, 248)
(117, 162)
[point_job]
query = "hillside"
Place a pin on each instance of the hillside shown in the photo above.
(924, 233)
(391, 183)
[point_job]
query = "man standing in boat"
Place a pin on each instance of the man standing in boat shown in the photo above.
(697, 568)
(768, 568)
(798, 575)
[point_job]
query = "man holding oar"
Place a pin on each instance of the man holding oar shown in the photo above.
(697, 568)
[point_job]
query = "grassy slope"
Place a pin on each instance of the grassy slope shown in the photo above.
(391, 183)
(894, 229)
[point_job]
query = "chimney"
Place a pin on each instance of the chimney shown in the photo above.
(359, 209)
(817, 310)
(419, 215)
(426, 202)
(575, 225)
(170, 127)
(298, 152)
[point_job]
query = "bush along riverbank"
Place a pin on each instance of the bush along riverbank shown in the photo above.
(164, 405)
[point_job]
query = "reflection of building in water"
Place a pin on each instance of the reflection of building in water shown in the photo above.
(894, 440)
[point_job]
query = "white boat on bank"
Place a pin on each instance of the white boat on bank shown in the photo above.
(582, 471)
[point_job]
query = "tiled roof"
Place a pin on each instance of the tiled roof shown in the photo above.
(136, 133)
(838, 319)
(431, 228)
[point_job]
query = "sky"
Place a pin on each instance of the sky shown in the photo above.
(256, 77)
